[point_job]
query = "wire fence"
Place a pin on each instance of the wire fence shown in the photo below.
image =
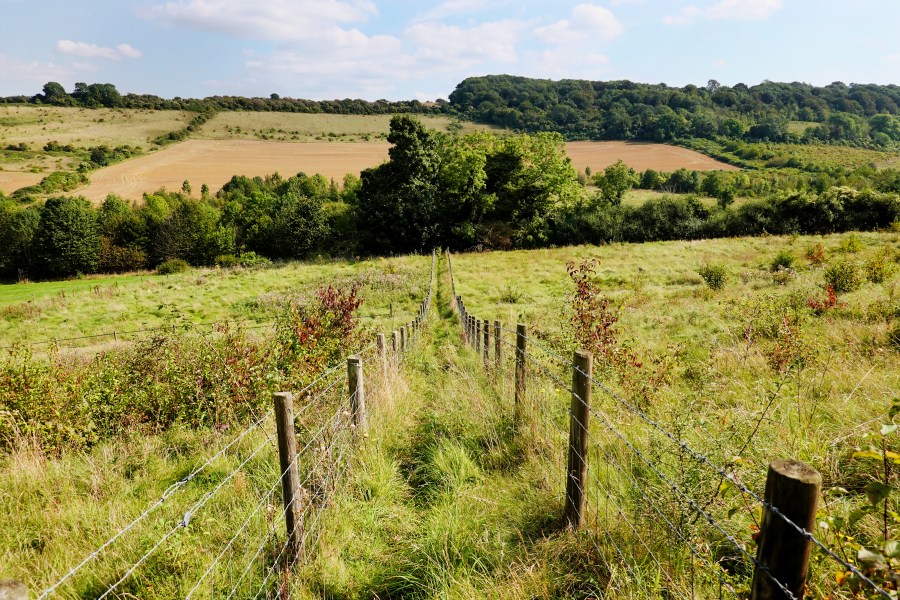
(222, 529)
(664, 518)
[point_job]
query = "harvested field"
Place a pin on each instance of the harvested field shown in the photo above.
(215, 162)
(10, 181)
(641, 156)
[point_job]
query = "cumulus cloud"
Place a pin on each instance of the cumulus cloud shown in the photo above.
(462, 46)
(274, 20)
(85, 50)
(450, 8)
(744, 10)
(588, 21)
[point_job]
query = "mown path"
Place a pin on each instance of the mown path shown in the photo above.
(445, 500)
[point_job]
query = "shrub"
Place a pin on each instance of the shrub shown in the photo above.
(843, 276)
(67, 239)
(851, 244)
(172, 266)
(714, 276)
(879, 267)
(784, 260)
(252, 260)
(783, 275)
(227, 261)
(816, 254)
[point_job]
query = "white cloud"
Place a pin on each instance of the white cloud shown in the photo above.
(85, 50)
(450, 45)
(742, 10)
(450, 8)
(588, 21)
(129, 51)
(276, 20)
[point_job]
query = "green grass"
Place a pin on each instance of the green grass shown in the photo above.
(100, 305)
(449, 495)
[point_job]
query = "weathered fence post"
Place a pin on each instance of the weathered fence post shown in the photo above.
(792, 488)
(578, 438)
(357, 391)
(409, 341)
(382, 352)
(290, 480)
(521, 333)
(402, 339)
(13, 590)
(478, 336)
(394, 336)
(498, 332)
(486, 344)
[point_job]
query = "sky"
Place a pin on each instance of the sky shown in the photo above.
(404, 49)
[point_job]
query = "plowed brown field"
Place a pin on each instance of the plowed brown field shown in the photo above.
(213, 162)
(10, 181)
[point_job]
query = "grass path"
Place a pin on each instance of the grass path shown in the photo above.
(446, 500)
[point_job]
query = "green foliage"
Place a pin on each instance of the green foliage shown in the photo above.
(172, 266)
(880, 267)
(843, 276)
(785, 259)
(58, 181)
(67, 240)
(615, 180)
(714, 275)
(850, 244)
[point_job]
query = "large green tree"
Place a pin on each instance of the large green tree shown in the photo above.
(67, 241)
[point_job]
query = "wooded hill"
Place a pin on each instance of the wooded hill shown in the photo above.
(622, 110)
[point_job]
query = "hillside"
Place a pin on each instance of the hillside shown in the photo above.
(624, 110)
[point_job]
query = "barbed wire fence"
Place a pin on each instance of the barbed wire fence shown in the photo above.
(256, 505)
(648, 502)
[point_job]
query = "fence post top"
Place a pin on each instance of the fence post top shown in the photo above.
(796, 470)
(583, 354)
(284, 395)
(355, 359)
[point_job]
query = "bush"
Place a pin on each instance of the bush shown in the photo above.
(851, 244)
(879, 267)
(784, 260)
(227, 261)
(843, 276)
(783, 275)
(172, 266)
(252, 260)
(816, 254)
(715, 276)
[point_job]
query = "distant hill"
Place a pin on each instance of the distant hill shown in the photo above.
(622, 110)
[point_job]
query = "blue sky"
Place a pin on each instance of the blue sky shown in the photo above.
(400, 49)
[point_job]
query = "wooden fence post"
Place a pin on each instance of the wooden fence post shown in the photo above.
(578, 438)
(357, 391)
(521, 336)
(498, 339)
(394, 336)
(793, 488)
(290, 480)
(402, 339)
(382, 352)
(486, 344)
(478, 336)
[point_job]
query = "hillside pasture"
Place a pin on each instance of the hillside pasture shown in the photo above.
(308, 127)
(37, 125)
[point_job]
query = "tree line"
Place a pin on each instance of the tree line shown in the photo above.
(436, 189)
(105, 95)
(623, 110)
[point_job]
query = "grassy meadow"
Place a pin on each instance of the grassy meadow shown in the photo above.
(451, 496)
(37, 312)
(305, 127)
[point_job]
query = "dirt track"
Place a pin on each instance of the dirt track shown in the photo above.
(10, 181)
(213, 162)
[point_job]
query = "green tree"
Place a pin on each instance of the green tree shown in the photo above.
(615, 181)
(55, 93)
(67, 241)
(17, 229)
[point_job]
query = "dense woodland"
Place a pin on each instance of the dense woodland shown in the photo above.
(479, 190)
(623, 110)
